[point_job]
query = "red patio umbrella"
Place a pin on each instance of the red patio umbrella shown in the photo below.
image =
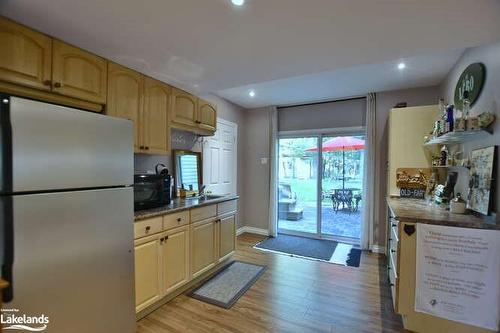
(341, 143)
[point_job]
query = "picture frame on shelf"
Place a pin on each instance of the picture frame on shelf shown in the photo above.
(480, 180)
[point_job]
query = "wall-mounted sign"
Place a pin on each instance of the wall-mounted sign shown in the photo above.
(471, 80)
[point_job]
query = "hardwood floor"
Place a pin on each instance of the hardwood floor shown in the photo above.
(293, 295)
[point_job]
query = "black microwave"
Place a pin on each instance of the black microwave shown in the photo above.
(151, 191)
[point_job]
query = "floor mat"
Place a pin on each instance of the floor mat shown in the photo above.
(226, 286)
(309, 248)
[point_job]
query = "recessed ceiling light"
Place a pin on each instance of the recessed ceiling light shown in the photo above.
(251, 93)
(238, 2)
(401, 66)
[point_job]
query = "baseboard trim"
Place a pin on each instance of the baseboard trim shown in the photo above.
(377, 249)
(252, 230)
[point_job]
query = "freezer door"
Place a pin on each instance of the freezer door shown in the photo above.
(56, 147)
(74, 260)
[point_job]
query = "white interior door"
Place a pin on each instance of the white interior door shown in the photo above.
(220, 158)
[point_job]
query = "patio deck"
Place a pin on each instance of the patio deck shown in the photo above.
(341, 223)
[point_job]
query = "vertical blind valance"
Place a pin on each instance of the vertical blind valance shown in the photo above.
(346, 113)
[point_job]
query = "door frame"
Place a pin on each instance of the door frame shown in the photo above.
(319, 134)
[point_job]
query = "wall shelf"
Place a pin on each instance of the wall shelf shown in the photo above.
(455, 138)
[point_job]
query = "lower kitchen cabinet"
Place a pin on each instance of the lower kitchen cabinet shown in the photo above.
(203, 250)
(147, 271)
(175, 258)
(227, 236)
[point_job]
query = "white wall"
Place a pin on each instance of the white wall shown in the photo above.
(489, 100)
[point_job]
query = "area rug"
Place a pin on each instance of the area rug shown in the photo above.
(315, 249)
(228, 284)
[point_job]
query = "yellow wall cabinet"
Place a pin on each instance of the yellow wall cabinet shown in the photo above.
(78, 74)
(26, 56)
(407, 128)
(125, 97)
(204, 246)
(192, 113)
(207, 115)
(184, 108)
(155, 117)
(33, 60)
(175, 258)
(147, 271)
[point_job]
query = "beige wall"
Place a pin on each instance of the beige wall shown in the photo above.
(489, 100)
(256, 179)
(385, 102)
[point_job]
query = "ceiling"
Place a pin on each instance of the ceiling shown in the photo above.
(294, 50)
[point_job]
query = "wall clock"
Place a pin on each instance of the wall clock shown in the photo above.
(471, 80)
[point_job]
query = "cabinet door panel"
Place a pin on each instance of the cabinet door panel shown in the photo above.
(78, 74)
(207, 115)
(125, 97)
(184, 107)
(147, 273)
(227, 235)
(175, 258)
(26, 56)
(155, 121)
(203, 247)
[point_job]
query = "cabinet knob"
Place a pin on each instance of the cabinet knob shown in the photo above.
(148, 228)
(391, 284)
(393, 251)
(179, 219)
(47, 83)
(198, 122)
(166, 237)
(147, 148)
(57, 85)
(141, 147)
(394, 225)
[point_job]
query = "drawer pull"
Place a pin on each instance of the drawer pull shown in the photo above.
(148, 228)
(47, 83)
(391, 284)
(394, 225)
(166, 237)
(389, 267)
(393, 251)
(179, 219)
(57, 85)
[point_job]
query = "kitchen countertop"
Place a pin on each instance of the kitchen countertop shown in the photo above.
(178, 205)
(419, 211)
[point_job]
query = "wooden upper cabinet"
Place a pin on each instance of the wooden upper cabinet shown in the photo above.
(207, 115)
(125, 97)
(184, 108)
(25, 56)
(156, 132)
(78, 74)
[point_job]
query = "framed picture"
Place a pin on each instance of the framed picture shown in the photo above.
(481, 174)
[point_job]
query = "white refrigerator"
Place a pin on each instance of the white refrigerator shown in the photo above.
(66, 219)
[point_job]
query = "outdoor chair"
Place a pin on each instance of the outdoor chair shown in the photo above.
(342, 198)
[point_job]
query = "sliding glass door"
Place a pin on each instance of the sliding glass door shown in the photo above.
(298, 185)
(320, 186)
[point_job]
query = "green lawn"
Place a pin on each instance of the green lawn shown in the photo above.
(306, 188)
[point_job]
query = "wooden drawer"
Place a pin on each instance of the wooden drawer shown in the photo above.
(227, 207)
(175, 220)
(148, 227)
(203, 213)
